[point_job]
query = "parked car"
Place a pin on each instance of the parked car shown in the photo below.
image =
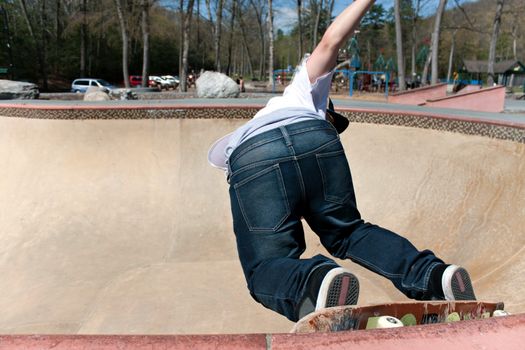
(135, 80)
(160, 82)
(174, 81)
(82, 84)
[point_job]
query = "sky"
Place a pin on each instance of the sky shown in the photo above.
(286, 13)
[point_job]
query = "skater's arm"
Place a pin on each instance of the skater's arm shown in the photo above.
(324, 57)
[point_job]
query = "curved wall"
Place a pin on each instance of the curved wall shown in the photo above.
(119, 226)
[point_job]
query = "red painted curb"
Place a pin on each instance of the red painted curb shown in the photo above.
(505, 333)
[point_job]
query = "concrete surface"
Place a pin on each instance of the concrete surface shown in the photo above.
(418, 96)
(121, 227)
(491, 99)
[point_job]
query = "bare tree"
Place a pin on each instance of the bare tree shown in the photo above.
(318, 6)
(232, 32)
(145, 41)
(451, 55)
(83, 34)
(242, 24)
(270, 43)
(399, 46)
(493, 42)
(300, 27)
(259, 12)
(186, 44)
(515, 36)
(217, 31)
(36, 43)
(435, 41)
(413, 49)
(125, 39)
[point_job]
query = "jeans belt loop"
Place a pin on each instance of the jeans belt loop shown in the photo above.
(287, 139)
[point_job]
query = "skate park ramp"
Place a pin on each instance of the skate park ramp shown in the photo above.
(121, 227)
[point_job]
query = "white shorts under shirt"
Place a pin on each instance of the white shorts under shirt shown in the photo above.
(300, 101)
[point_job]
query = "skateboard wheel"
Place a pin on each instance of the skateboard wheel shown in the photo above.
(383, 322)
(409, 320)
(453, 317)
(500, 313)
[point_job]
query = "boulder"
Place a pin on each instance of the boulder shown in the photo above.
(17, 90)
(216, 85)
(96, 94)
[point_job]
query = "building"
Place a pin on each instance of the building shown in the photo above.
(509, 73)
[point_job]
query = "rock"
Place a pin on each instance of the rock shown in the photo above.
(96, 94)
(216, 85)
(123, 94)
(18, 90)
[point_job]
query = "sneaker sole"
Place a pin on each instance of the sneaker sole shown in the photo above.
(460, 285)
(339, 287)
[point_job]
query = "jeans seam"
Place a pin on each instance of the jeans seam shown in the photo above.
(304, 130)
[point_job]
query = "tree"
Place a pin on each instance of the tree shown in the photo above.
(258, 8)
(300, 27)
(186, 44)
(145, 41)
(232, 32)
(270, 44)
(399, 47)
(37, 44)
(318, 9)
(435, 41)
(125, 39)
(413, 49)
(370, 32)
(246, 47)
(217, 31)
(83, 34)
(493, 41)
(451, 55)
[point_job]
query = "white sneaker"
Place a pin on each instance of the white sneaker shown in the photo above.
(339, 287)
(456, 284)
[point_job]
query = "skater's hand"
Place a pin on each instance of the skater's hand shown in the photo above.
(324, 56)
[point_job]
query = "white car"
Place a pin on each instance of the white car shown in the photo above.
(173, 81)
(159, 82)
(82, 84)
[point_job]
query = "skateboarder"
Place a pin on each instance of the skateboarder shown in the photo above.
(286, 164)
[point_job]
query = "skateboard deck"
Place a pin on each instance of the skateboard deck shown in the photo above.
(397, 314)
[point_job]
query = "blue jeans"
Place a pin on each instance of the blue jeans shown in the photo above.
(301, 171)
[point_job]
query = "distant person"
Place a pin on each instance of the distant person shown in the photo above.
(288, 163)
(191, 79)
(241, 84)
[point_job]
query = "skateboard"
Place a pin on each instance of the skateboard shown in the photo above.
(397, 314)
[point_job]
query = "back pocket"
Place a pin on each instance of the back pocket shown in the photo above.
(337, 180)
(262, 200)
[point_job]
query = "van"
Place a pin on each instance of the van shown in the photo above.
(82, 84)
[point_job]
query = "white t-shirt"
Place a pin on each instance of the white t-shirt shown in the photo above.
(300, 101)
